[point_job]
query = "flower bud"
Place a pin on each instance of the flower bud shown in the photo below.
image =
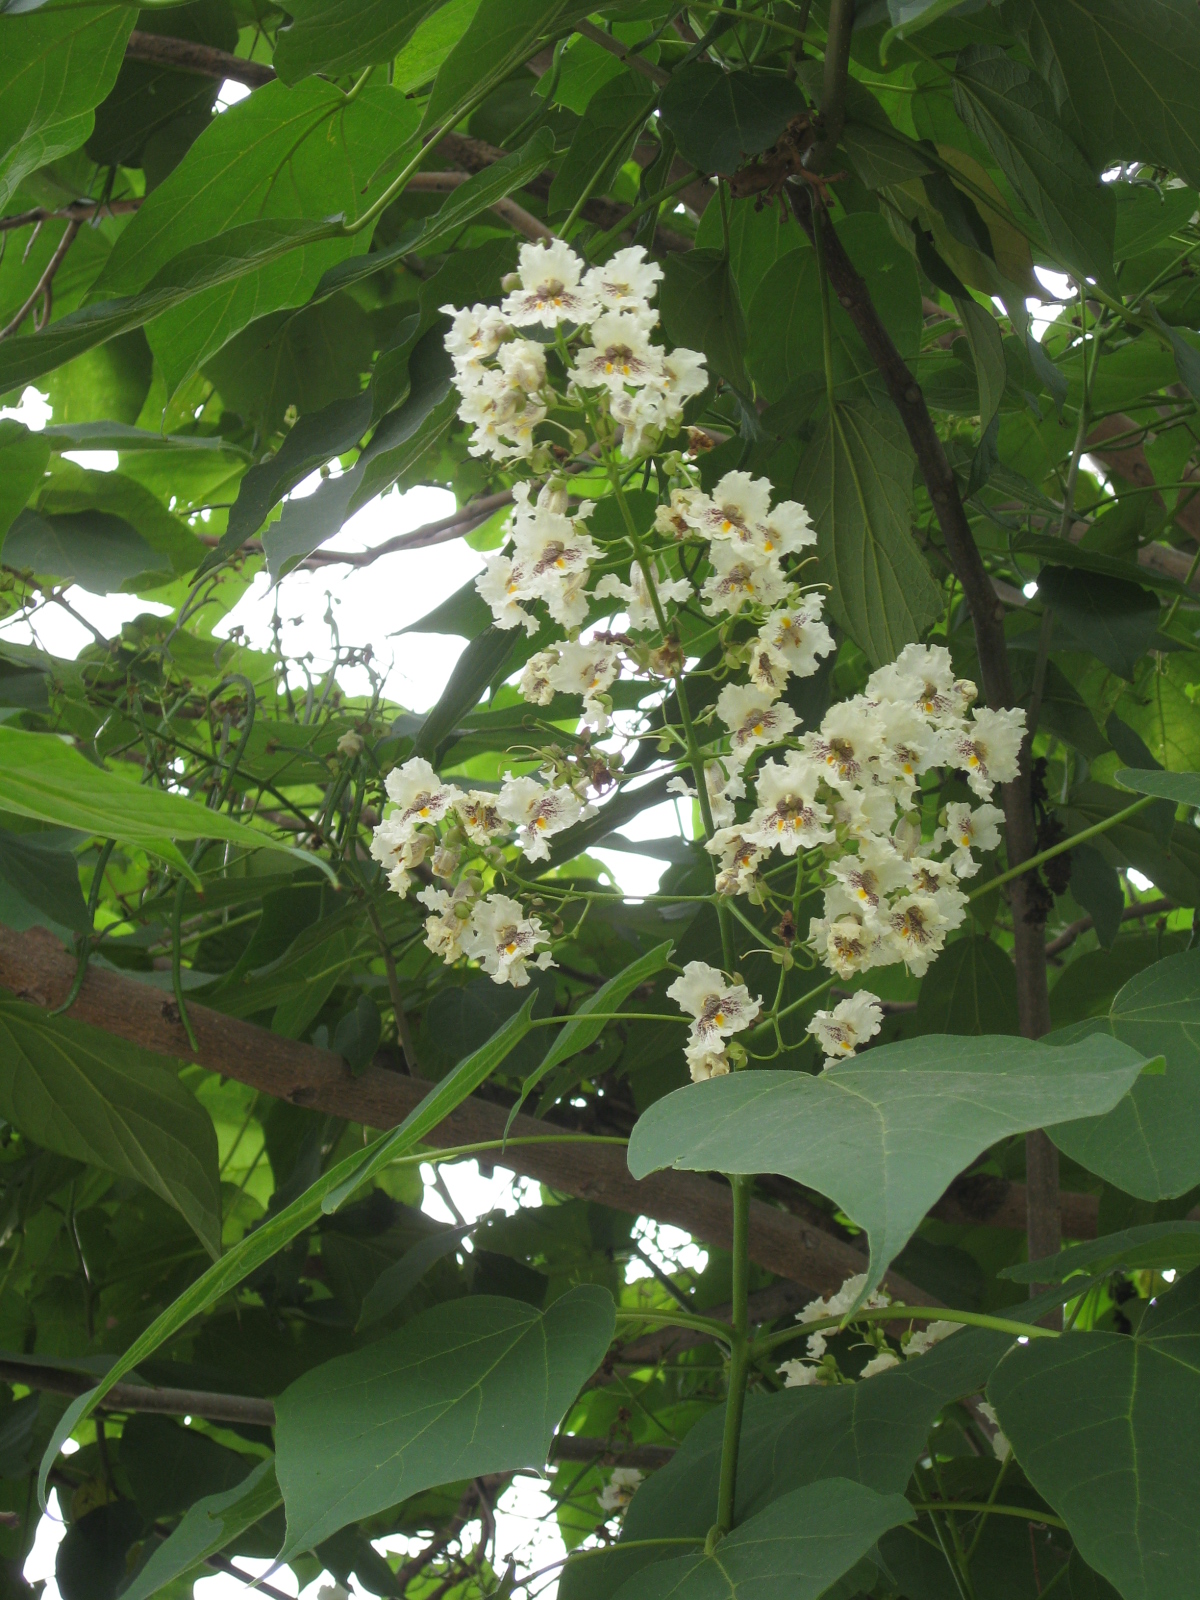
(350, 744)
(736, 1054)
(908, 835)
(445, 862)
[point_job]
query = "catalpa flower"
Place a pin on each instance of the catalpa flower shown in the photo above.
(444, 929)
(737, 504)
(479, 813)
(502, 585)
(922, 677)
(739, 859)
(718, 1008)
(639, 607)
(620, 354)
(988, 748)
(865, 880)
(797, 636)
(752, 719)
(550, 290)
(475, 335)
(627, 281)
(741, 577)
(851, 735)
(418, 794)
(851, 1023)
(789, 814)
(538, 812)
(917, 929)
(705, 1060)
(968, 829)
(504, 941)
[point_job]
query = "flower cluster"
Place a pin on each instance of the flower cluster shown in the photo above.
(821, 1368)
(620, 1489)
(718, 1009)
(493, 929)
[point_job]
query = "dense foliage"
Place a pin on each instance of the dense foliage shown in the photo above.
(728, 325)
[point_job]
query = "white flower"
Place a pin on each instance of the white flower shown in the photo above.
(722, 792)
(797, 635)
(968, 829)
(785, 529)
(852, 1022)
(476, 334)
(685, 376)
(676, 519)
(1000, 1445)
(705, 1061)
(549, 547)
(923, 1339)
(865, 813)
(739, 858)
(916, 931)
(536, 684)
(800, 1374)
(628, 281)
(636, 594)
(865, 880)
(752, 719)
(588, 670)
(502, 406)
(937, 881)
(419, 794)
(922, 677)
(851, 735)
(719, 1009)
(479, 814)
(538, 812)
(444, 929)
(880, 1363)
(741, 577)
(620, 1488)
(910, 746)
(843, 1300)
(788, 814)
(620, 354)
(988, 748)
(846, 944)
(503, 941)
(737, 504)
(550, 290)
(501, 584)
(396, 846)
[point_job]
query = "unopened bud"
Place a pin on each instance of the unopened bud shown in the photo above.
(510, 281)
(445, 862)
(736, 1054)
(908, 835)
(350, 744)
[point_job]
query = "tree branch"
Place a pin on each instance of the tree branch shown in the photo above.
(245, 1410)
(199, 58)
(43, 287)
(77, 211)
(38, 970)
(1151, 908)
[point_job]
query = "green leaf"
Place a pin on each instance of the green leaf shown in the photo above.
(206, 1529)
(1009, 108)
(469, 1387)
(78, 1091)
(322, 1197)
(478, 665)
(1185, 351)
(1183, 788)
(1155, 1245)
(1149, 1144)
(1167, 853)
(499, 35)
(329, 150)
(910, 16)
(603, 140)
(987, 352)
(856, 480)
(794, 1550)
(1111, 619)
(1129, 88)
(701, 309)
(44, 778)
(882, 1136)
(393, 1286)
(250, 248)
(1061, 553)
(336, 37)
(56, 67)
(23, 458)
(41, 869)
(1146, 215)
(168, 1466)
(1096, 887)
(1104, 1426)
(579, 1032)
(94, 549)
(971, 988)
(720, 119)
(483, 189)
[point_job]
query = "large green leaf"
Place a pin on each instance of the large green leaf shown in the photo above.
(1130, 87)
(794, 1550)
(1157, 1245)
(1183, 788)
(1011, 110)
(468, 1387)
(720, 119)
(280, 153)
(884, 1135)
(1149, 1144)
(856, 479)
(701, 309)
(94, 549)
(39, 867)
(207, 1528)
(23, 458)
(73, 1089)
(322, 1197)
(987, 352)
(44, 778)
(1169, 855)
(1104, 1426)
(971, 988)
(56, 67)
(1112, 619)
(501, 34)
(603, 140)
(339, 36)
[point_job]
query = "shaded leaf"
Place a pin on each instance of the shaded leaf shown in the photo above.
(206, 1528)
(603, 140)
(856, 480)
(1111, 619)
(41, 869)
(882, 1136)
(1155, 1245)
(23, 458)
(79, 1091)
(971, 988)
(720, 119)
(468, 1387)
(1183, 788)
(393, 1286)
(701, 309)
(94, 549)
(987, 352)
(336, 37)
(1096, 887)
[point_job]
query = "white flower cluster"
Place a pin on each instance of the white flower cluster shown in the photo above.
(606, 315)
(491, 929)
(620, 1489)
(852, 790)
(719, 1009)
(817, 1369)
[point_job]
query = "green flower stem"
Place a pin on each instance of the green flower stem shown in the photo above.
(677, 1319)
(739, 1355)
(1065, 844)
(607, 1016)
(1027, 1512)
(898, 1313)
(596, 245)
(796, 1005)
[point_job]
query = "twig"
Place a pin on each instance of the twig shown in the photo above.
(77, 211)
(42, 288)
(403, 1030)
(223, 1564)
(516, 216)
(1148, 908)
(589, 30)
(201, 58)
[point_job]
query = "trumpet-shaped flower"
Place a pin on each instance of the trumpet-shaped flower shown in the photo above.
(550, 290)
(539, 813)
(504, 941)
(851, 1023)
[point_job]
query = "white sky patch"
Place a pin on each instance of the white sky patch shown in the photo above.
(229, 94)
(1138, 880)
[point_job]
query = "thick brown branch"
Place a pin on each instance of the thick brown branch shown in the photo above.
(37, 968)
(242, 1409)
(199, 58)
